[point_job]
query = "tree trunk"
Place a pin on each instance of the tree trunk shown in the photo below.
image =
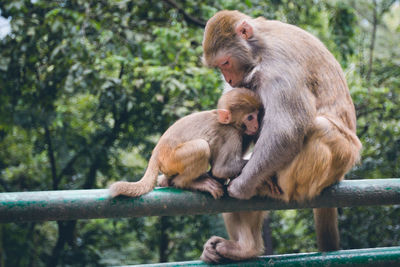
(164, 240)
(66, 231)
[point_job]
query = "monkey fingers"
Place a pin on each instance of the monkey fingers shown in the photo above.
(273, 187)
(207, 184)
(210, 254)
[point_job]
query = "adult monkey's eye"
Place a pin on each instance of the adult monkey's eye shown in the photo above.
(250, 117)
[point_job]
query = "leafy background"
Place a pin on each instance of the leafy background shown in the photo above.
(87, 87)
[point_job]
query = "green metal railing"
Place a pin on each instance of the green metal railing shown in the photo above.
(353, 257)
(89, 204)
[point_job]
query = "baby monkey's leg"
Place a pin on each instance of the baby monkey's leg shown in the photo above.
(194, 155)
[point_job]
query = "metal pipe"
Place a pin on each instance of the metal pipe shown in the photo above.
(389, 256)
(96, 203)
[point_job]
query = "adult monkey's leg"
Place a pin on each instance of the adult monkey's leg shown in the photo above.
(244, 229)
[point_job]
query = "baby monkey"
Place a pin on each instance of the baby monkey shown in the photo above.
(216, 138)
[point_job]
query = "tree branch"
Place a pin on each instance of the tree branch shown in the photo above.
(188, 18)
(373, 37)
(109, 140)
(70, 163)
(376, 17)
(50, 154)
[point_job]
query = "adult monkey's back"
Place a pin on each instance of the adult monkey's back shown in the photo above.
(308, 131)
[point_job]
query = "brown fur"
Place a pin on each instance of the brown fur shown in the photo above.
(187, 149)
(239, 105)
(308, 135)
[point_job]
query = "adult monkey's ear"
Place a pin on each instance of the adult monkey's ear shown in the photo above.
(244, 30)
(224, 116)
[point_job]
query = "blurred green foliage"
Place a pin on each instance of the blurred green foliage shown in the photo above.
(87, 87)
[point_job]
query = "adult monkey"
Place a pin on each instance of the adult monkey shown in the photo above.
(308, 135)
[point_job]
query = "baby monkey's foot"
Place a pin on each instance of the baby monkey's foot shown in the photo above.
(206, 183)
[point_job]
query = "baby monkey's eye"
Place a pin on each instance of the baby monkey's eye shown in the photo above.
(250, 117)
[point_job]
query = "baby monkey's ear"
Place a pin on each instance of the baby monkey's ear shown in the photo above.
(224, 116)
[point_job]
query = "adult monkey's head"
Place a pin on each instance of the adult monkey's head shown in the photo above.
(230, 44)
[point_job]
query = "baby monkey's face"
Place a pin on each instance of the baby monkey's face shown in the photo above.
(250, 122)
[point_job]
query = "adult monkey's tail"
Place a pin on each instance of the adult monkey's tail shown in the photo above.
(326, 227)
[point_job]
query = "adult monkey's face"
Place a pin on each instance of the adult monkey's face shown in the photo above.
(226, 48)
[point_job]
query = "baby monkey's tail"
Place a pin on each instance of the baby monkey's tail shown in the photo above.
(141, 187)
